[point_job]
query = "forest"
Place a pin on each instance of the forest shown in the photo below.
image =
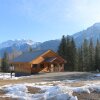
(83, 58)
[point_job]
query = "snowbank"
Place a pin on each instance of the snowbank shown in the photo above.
(97, 75)
(7, 76)
(57, 92)
(20, 91)
(53, 90)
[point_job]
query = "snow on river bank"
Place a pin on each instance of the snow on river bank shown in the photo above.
(53, 90)
(48, 90)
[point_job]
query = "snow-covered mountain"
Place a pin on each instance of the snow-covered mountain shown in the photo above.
(18, 43)
(51, 44)
(91, 32)
(24, 45)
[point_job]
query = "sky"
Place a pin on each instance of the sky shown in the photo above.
(42, 20)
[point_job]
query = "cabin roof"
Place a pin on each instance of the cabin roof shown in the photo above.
(29, 56)
(50, 59)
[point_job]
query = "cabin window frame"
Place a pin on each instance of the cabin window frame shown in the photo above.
(34, 65)
(41, 65)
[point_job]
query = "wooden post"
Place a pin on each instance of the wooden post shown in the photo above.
(62, 68)
(52, 67)
(11, 70)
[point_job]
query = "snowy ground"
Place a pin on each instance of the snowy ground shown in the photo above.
(53, 90)
(7, 76)
(4, 76)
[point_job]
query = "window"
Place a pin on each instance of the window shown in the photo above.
(34, 66)
(41, 65)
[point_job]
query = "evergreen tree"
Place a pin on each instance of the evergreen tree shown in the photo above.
(73, 55)
(30, 49)
(85, 56)
(68, 54)
(62, 48)
(91, 56)
(97, 56)
(76, 68)
(80, 59)
(67, 50)
(5, 64)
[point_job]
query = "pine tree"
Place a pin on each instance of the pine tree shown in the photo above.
(73, 55)
(91, 56)
(5, 64)
(85, 56)
(68, 54)
(80, 59)
(30, 49)
(97, 56)
(62, 48)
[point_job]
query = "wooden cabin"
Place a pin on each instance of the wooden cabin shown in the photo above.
(38, 61)
(0, 63)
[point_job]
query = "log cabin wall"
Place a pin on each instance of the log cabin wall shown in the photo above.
(43, 67)
(35, 68)
(22, 69)
(0, 64)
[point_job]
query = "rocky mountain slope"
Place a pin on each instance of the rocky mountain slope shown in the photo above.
(91, 32)
(24, 45)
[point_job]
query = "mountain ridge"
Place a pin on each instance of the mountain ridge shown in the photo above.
(91, 32)
(24, 45)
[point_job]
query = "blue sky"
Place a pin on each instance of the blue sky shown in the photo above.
(42, 20)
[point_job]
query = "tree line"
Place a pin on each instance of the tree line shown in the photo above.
(83, 58)
(4, 63)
